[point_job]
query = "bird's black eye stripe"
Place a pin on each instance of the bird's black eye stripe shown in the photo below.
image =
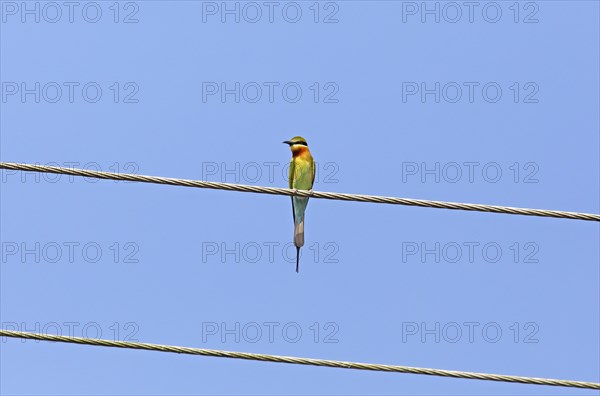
(300, 143)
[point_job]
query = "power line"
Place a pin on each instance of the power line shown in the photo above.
(303, 361)
(301, 193)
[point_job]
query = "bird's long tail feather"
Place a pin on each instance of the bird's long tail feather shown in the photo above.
(298, 241)
(299, 234)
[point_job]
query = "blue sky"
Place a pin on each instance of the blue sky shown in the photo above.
(493, 104)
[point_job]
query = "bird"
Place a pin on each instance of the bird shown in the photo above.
(301, 177)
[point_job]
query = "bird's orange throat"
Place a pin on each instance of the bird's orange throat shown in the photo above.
(300, 151)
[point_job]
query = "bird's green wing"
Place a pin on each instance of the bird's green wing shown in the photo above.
(291, 174)
(291, 185)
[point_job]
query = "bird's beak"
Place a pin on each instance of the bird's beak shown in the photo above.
(287, 142)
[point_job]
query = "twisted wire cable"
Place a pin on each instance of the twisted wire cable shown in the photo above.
(303, 361)
(300, 193)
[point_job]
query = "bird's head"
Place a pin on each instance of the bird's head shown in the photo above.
(297, 144)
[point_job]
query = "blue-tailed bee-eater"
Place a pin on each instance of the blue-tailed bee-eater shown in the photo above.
(301, 177)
